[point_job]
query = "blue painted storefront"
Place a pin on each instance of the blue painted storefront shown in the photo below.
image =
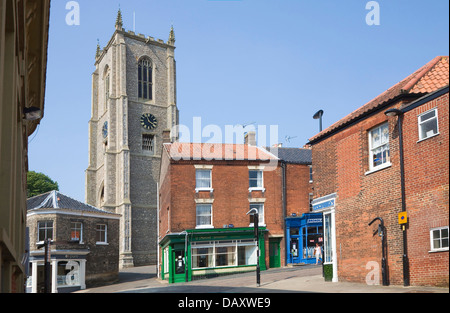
(302, 234)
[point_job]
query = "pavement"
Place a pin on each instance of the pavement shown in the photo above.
(296, 279)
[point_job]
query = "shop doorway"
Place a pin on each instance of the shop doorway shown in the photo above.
(274, 253)
(303, 233)
(179, 266)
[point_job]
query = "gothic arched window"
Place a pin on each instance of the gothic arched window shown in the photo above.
(145, 79)
(106, 87)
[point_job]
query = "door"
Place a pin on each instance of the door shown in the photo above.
(274, 253)
(179, 266)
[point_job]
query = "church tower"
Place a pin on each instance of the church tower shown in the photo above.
(133, 103)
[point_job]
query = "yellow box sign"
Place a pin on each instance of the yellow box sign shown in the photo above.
(402, 218)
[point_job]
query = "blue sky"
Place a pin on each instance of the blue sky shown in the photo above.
(272, 62)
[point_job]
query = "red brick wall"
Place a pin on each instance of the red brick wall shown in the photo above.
(324, 167)
(298, 189)
(427, 197)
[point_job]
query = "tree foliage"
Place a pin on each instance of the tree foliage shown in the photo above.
(39, 183)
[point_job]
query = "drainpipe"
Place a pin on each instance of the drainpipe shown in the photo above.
(283, 200)
(157, 231)
(399, 114)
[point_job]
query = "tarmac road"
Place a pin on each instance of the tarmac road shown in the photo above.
(297, 279)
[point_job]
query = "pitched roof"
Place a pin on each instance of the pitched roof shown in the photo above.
(56, 200)
(216, 151)
(429, 78)
(292, 155)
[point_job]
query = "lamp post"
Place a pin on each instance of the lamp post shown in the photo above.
(255, 214)
(396, 112)
(318, 116)
(185, 233)
(46, 246)
(381, 233)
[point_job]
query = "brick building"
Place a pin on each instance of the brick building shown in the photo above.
(24, 29)
(357, 178)
(85, 243)
(205, 192)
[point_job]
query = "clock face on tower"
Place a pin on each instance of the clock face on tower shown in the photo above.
(148, 121)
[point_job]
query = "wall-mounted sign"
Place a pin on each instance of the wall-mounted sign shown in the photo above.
(323, 205)
(402, 218)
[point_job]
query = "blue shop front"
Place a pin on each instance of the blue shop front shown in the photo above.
(302, 234)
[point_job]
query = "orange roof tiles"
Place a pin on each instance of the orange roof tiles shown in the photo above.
(218, 151)
(431, 77)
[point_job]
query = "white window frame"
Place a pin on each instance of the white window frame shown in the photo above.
(105, 242)
(259, 182)
(213, 245)
(385, 164)
(261, 221)
(45, 228)
(80, 229)
(433, 249)
(197, 188)
(420, 123)
(204, 204)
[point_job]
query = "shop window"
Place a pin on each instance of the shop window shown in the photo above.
(216, 254)
(428, 124)
(439, 239)
(68, 273)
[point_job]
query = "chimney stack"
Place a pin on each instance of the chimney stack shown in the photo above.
(250, 138)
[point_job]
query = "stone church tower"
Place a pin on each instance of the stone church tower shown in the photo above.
(133, 103)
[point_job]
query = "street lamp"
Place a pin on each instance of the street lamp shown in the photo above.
(318, 116)
(46, 246)
(185, 233)
(391, 113)
(381, 233)
(255, 214)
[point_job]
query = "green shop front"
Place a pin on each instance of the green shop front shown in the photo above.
(202, 253)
